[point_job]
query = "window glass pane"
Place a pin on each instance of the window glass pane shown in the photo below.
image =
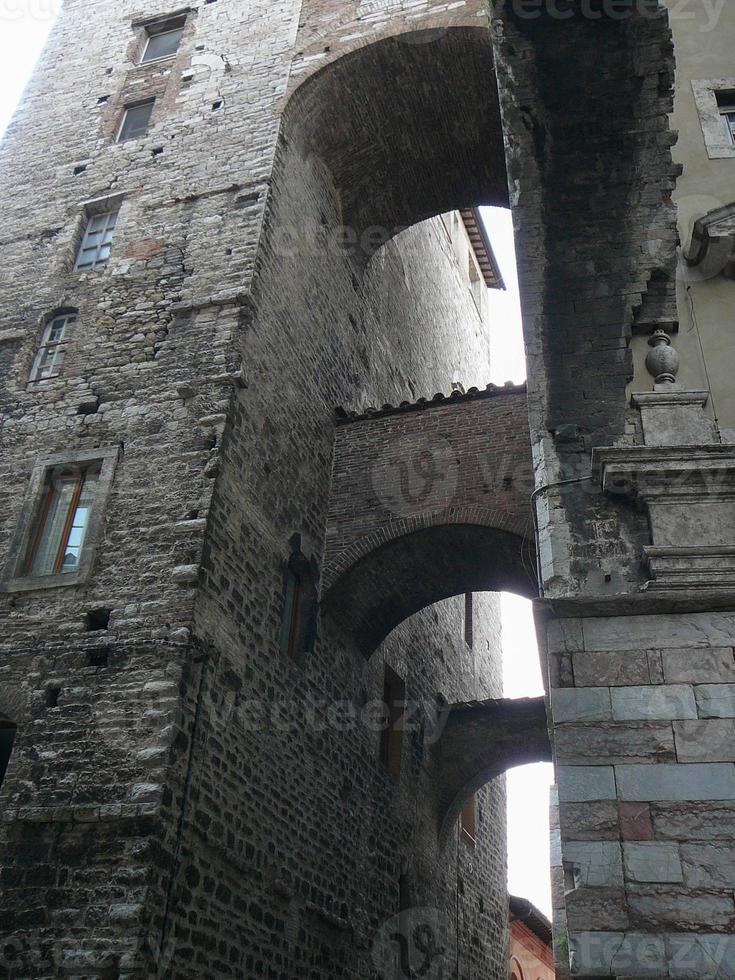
(61, 495)
(135, 121)
(62, 535)
(163, 45)
(95, 246)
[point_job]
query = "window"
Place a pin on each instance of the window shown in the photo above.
(468, 822)
(298, 621)
(7, 737)
(63, 521)
(726, 106)
(391, 742)
(96, 243)
(468, 620)
(60, 521)
(135, 121)
(162, 43)
(52, 349)
(715, 102)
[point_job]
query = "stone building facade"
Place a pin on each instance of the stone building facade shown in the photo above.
(221, 224)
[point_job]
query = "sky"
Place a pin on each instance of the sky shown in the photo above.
(24, 25)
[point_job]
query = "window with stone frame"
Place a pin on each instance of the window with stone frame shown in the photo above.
(51, 351)
(715, 102)
(96, 245)
(135, 120)
(163, 39)
(391, 741)
(61, 520)
(7, 738)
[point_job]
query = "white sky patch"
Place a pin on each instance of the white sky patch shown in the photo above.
(24, 27)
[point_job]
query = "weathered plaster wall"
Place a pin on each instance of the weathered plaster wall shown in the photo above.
(704, 40)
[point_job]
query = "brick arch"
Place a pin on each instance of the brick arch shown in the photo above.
(438, 559)
(396, 154)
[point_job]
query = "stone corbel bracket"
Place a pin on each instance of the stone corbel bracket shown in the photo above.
(480, 740)
(712, 246)
(689, 492)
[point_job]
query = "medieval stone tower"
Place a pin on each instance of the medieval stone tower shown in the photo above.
(251, 716)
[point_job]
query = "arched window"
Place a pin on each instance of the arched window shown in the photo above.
(7, 737)
(52, 349)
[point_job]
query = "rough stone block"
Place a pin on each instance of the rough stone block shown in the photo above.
(608, 954)
(694, 821)
(714, 666)
(689, 630)
(589, 821)
(652, 862)
(580, 784)
(708, 740)
(596, 864)
(580, 704)
(708, 781)
(709, 865)
(610, 743)
(707, 957)
(635, 821)
(611, 668)
(716, 700)
(674, 908)
(597, 908)
(653, 702)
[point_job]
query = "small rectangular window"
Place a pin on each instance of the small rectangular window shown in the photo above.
(391, 743)
(62, 522)
(52, 349)
(468, 620)
(135, 121)
(162, 44)
(726, 106)
(96, 245)
(468, 822)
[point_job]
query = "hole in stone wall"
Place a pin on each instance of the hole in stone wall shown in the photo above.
(217, 106)
(157, 151)
(98, 657)
(97, 619)
(104, 98)
(52, 697)
(80, 169)
(88, 408)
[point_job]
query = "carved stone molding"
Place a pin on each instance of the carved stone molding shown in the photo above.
(689, 492)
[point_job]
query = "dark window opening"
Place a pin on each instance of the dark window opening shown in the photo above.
(7, 737)
(135, 121)
(468, 624)
(726, 105)
(298, 621)
(391, 742)
(162, 43)
(97, 619)
(468, 822)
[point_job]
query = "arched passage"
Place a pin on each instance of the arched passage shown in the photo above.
(398, 153)
(397, 579)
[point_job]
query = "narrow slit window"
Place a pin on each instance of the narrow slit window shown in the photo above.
(162, 44)
(52, 349)
(469, 620)
(391, 743)
(726, 106)
(96, 245)
(135, 121)
(298, 620)
(63, 521)
(468, 822)
(7, 738)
